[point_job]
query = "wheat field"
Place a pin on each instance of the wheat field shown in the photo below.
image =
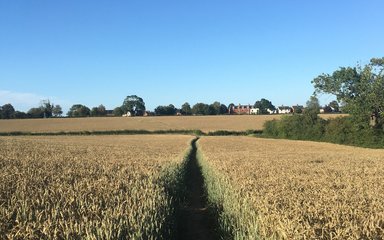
(281, 189)
(203, 123)
(109, 187)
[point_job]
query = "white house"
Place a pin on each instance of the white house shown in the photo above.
(254, 111)
(284, 110)
(271, 111)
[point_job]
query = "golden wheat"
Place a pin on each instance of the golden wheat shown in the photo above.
(87, 187)
(203, 123)
(283, 189)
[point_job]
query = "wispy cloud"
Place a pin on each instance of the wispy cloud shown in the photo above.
(23, 101)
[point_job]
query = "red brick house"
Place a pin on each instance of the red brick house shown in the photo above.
(240, 109)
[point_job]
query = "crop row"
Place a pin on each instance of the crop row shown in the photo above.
(90, 188)
(280, 189)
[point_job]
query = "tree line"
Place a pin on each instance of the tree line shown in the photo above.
(135, 106)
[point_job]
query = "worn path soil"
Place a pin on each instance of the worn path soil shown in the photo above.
(195, 220)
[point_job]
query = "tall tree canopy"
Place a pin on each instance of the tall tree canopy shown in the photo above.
(79, 110)
(7, 111)
(166, 110)
(264, 105)
(133, 104)
(186, 109)
(360, 89)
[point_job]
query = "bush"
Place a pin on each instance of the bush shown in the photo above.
(309, 126)
(304, 127)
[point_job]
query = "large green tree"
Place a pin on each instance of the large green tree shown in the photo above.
(133, 104)
(264, 104)
(7, 111)
(200, 109)
(166, 110)
(79, 110)
(186, 109)
(99, 111)
(118, 112)
(47, 108)
(57, 111)
(360, 89)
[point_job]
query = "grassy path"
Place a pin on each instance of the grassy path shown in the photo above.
(195, 220)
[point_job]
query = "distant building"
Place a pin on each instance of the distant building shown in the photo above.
(284, 110)
(243, 110)
(255, 111)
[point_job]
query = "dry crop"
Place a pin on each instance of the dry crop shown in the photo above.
(203, 123)
(109, 187)
(283, 189)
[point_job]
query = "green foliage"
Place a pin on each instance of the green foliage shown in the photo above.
(308, 126)
(79, 110)
(264, 105)
(165, 110)
(99, 111)
(200, 109)
(36, 113)
(7, 111)
(47, 108)
(118, 112)
(134, 104)
(313, 104)
(214, 108)
(300, 126)
(57, 111)
(186, 109)
(360, 89)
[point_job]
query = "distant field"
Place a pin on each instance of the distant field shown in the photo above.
(203, 123)
(282, 189)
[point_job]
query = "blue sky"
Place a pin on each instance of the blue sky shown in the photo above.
(98, 52)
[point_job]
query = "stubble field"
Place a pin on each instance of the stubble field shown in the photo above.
(108, 187)
(283, 189)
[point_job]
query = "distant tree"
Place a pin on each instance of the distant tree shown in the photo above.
(99, 111)
(94, 112)
(118, 112)
(264, 105)
(7, 111)
(186, 109)
(360, 89)
(214, 108)
(20, 115)
(47, 108)
(165, 110)
(200, 109)
(35, 113)
(133, 104)
(313, 104)
(223, 109)
(57, 111)
(79, 110)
